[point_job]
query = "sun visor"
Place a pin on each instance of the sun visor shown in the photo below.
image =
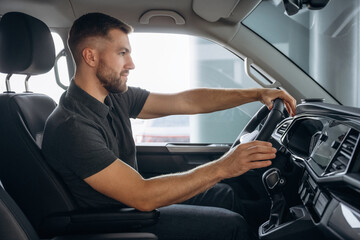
(213, 10)
(232, 11)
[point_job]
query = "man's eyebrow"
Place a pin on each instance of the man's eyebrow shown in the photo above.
(124, 49)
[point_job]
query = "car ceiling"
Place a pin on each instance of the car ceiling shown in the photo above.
(61, 14)
(218, 20)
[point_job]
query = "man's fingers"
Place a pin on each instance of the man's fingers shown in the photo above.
(246, 156)
(261, 156)
(290, 110)
(255, 146)
(260, 150)
(290, 103)
(255, 143)
(259, 164)
(270, 105)
(257, 150)
(270, 95)
(291, 107)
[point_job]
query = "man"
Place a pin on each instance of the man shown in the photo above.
(88, 139)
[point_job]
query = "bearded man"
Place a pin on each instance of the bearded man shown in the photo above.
(88, 140)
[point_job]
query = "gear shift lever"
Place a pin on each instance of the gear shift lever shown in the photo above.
(274, 184)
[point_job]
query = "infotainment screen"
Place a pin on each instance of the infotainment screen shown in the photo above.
(328, 142)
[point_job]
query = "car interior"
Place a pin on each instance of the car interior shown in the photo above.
(312, 188)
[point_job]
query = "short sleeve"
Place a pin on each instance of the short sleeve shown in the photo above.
(136, 98)
(80, 147)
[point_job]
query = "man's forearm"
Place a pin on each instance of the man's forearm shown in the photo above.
(206, 100)
(176, 188)
(201, 100)
(211, 100)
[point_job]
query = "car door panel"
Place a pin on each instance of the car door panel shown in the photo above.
(163, 158)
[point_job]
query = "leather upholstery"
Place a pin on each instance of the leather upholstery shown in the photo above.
(26, 47)
(15, 226)
(33, 120)
(23, 170)
(22, 38)
(25, 174)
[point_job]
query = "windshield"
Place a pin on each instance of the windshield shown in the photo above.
(324, 43)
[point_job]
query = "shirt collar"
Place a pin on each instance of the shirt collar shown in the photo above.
(89, 101)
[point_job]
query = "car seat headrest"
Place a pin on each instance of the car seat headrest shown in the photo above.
(26, 45)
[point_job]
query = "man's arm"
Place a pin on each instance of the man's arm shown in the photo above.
(124, 184)
(206, 100)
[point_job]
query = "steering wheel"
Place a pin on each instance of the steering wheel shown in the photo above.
(250, 133)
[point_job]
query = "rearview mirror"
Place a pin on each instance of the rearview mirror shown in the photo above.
(293, 6)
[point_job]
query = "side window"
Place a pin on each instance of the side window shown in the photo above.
(43, 83)
(171, 63)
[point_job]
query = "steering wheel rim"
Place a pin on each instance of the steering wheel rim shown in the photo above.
(273, 118)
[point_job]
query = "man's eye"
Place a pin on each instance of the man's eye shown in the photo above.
(122, 53)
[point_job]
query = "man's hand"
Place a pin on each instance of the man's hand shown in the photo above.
(267, 96)
(246, 156)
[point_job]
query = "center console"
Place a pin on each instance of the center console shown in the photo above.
(312, 197)
(301, 219)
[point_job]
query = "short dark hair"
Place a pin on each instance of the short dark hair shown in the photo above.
(93, 25)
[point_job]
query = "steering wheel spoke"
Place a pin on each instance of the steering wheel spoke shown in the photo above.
(253, 129)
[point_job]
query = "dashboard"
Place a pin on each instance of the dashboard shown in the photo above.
(323, 139)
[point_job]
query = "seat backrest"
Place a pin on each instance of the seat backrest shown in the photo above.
(26, 47)
(33, 110)
(14, 224)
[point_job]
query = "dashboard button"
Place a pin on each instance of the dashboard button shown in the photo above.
(312, 183)
(316, 196)
(301, 188)
(302, 194)
(309, 199)
(337, 165)
(321, 203)
(335, 144)
(323, 137)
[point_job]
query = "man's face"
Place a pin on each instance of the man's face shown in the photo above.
(115, 62)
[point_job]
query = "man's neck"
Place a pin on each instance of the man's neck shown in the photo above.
(92, 86)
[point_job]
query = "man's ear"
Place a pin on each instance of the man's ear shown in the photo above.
(90, 56)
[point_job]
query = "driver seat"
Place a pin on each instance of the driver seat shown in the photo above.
(15, 226)
(26, 47)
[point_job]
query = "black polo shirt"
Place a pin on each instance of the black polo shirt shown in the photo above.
(83, 136)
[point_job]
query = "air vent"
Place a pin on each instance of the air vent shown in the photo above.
(282, 128)
(345, 152)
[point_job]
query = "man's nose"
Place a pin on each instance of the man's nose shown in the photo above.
(130, 64)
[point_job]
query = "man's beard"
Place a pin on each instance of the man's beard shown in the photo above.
(109, 79)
